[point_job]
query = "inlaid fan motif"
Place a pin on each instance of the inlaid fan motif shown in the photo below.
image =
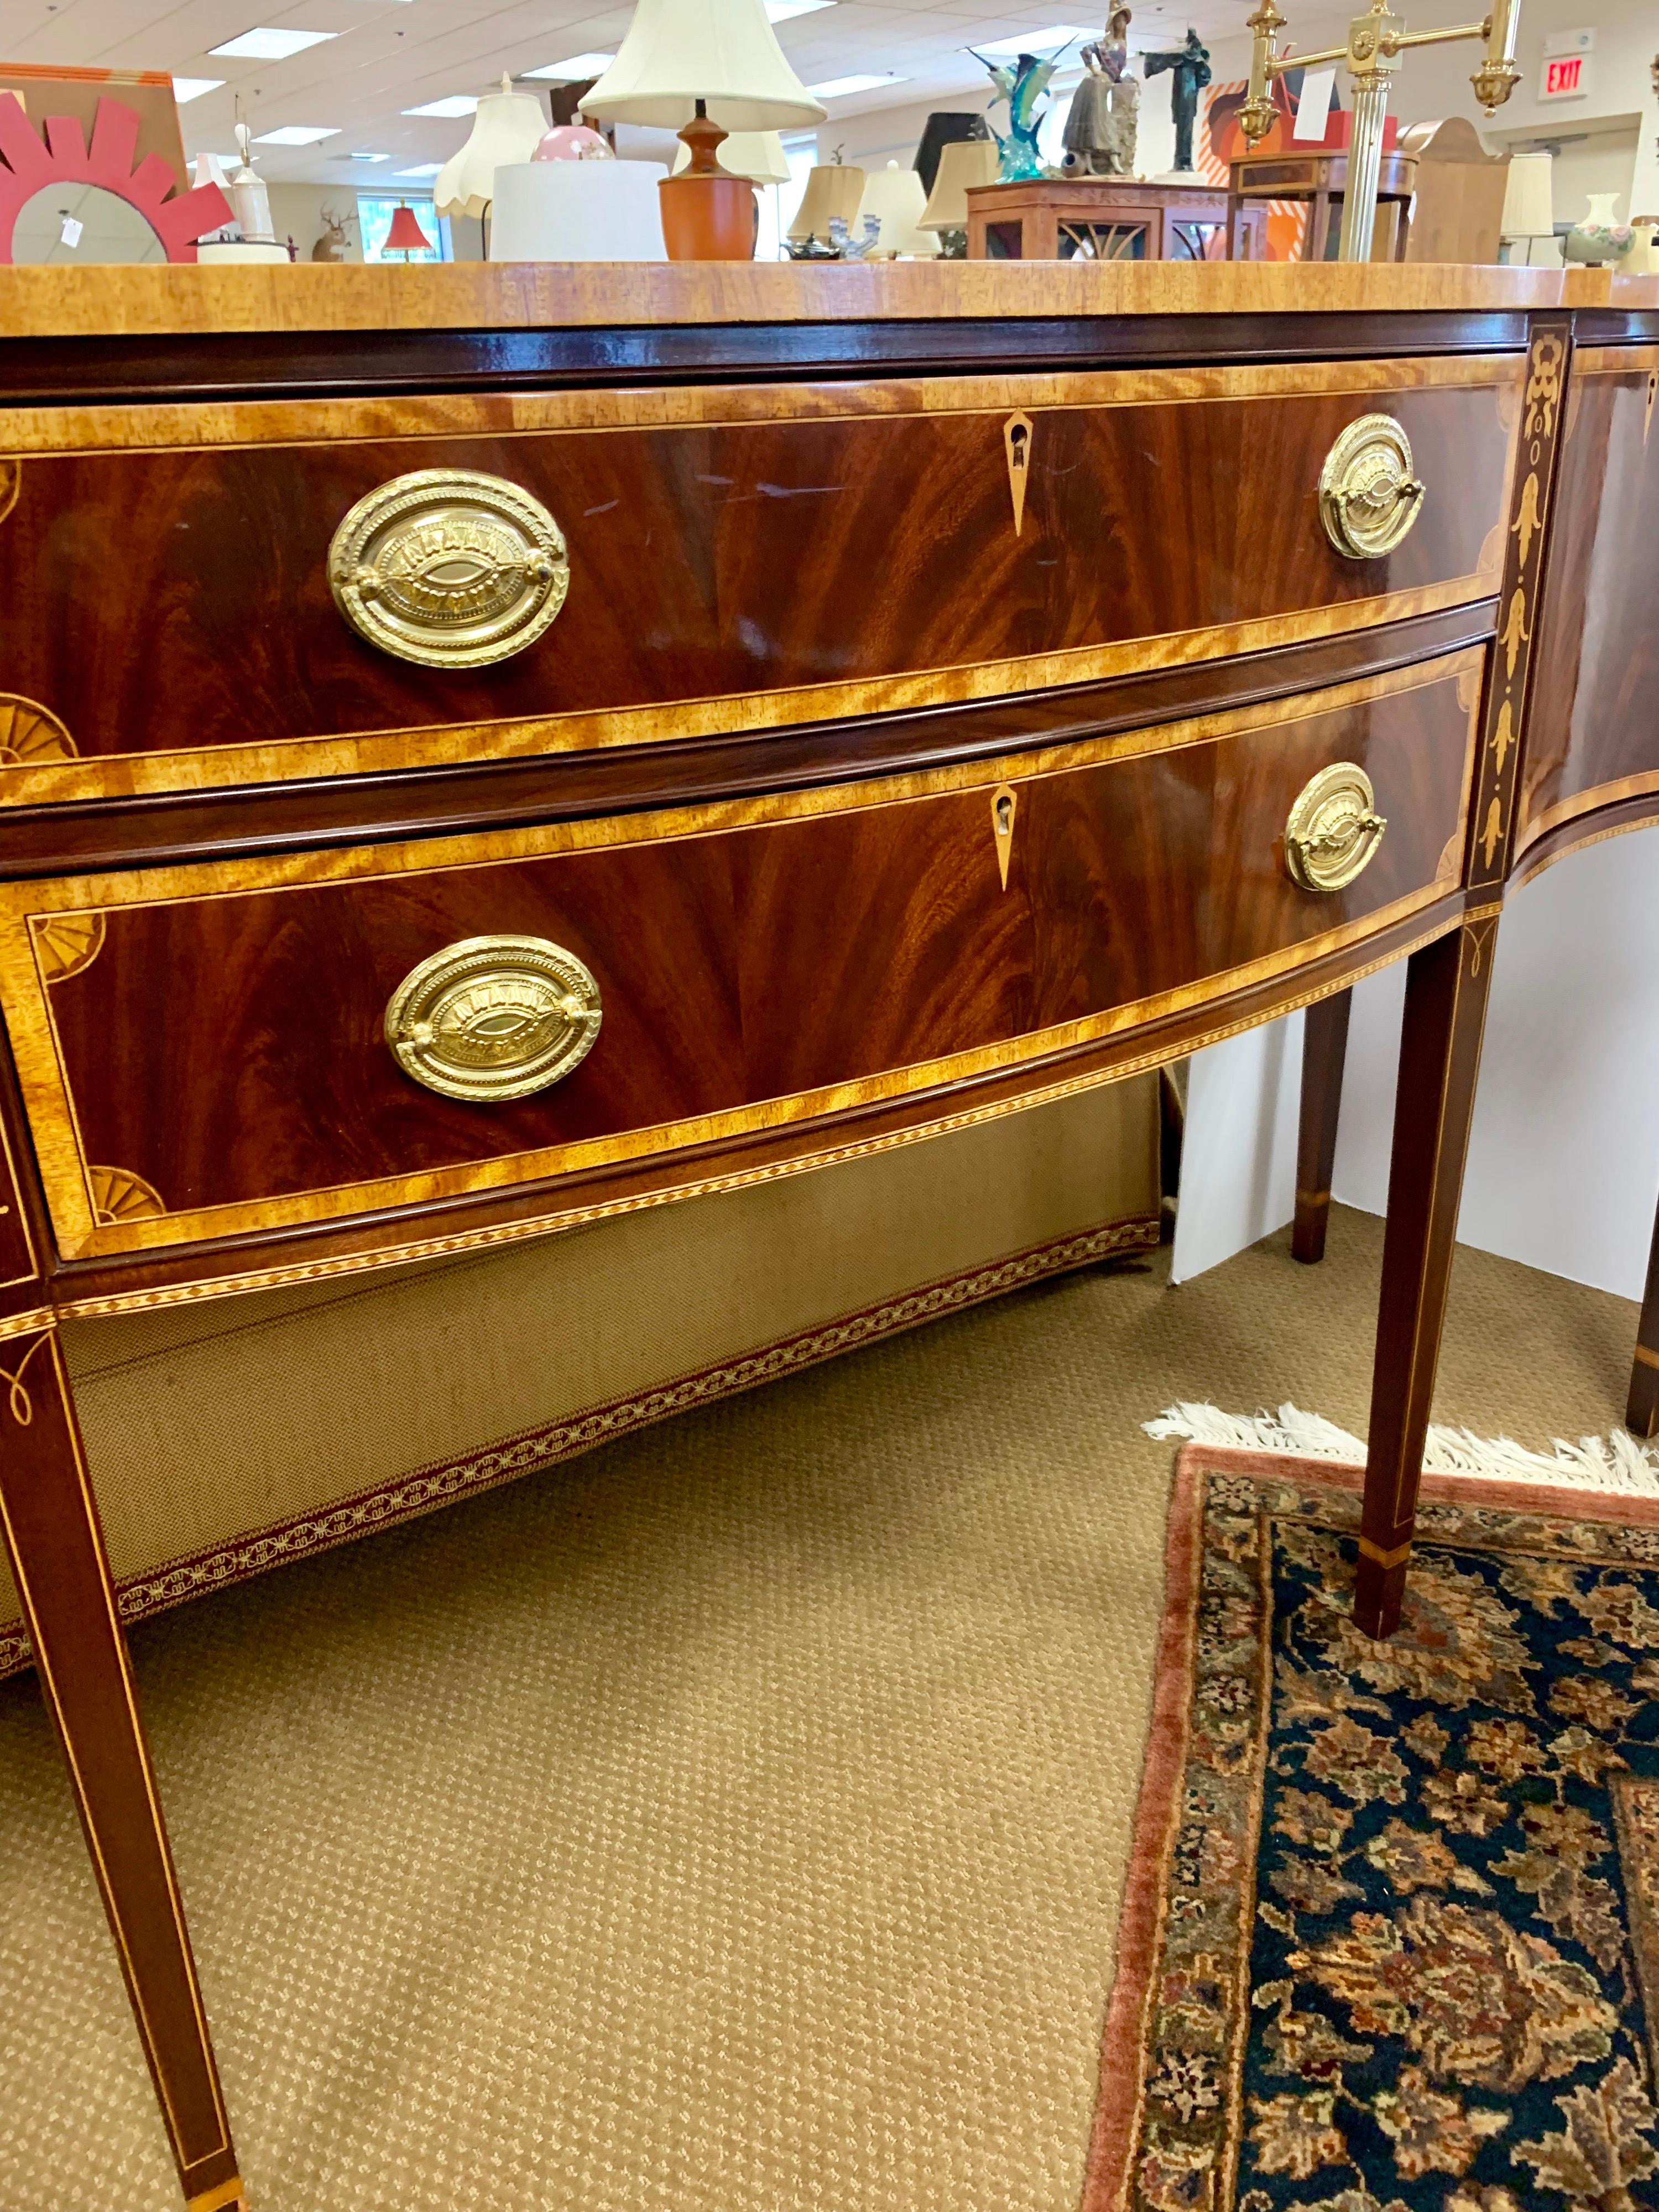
(28, 733)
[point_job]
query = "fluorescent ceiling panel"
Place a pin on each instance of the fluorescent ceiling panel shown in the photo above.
(780, 11)
(459, 103)
(581, 65)
(426, 169)
(265, 45)
(297, 134)
(186, 88)
(1035, 42)
(838, 88)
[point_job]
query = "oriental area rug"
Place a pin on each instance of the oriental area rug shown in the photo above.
(1391, 1937)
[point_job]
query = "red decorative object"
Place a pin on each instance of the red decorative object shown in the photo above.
(28, 166)
(405, 236)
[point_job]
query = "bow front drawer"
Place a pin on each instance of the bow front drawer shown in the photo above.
(320, 588)
(213, 1050)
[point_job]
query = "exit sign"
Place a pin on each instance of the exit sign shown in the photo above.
(1567, 65)
(1564, 78)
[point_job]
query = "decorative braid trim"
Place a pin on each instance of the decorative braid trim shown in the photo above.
(426, 1488)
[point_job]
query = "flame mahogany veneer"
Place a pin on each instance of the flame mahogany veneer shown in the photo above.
(749, 775)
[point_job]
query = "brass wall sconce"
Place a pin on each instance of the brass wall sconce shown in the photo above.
(1376, 42)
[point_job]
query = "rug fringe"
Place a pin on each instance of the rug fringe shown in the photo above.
(1615, 1463)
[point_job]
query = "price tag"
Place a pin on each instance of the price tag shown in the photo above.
(72, 230)
(1313, 109)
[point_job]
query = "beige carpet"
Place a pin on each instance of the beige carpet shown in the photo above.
(732, 1820)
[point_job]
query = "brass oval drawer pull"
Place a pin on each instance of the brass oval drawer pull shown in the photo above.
(1334, 829)
(494, 1018)
(449, 567)
(1368, 496)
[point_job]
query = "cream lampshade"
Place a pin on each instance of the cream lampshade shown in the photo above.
(723, 53)
(833, 188)
(964, 163)
(1529, 199)
(896, 197)
(756, 154)
(703, 68)
(508, 127)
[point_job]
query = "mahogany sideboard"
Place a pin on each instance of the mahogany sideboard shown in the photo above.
(485, 748)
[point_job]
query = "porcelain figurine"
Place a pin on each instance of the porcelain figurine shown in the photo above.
(1103, 124)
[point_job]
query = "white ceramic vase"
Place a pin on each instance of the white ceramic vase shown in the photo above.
(1598, 237)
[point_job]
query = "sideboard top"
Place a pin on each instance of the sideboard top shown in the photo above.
(60, 302)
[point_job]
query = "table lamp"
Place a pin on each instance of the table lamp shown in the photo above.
(963, 164)
(1528, 200)
(508, 127)
(704, 68)
(405, 236)
(833, 188)
(897, 200)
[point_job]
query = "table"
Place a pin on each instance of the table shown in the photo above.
(489, 747)
(1111, 219)
(1321, 178)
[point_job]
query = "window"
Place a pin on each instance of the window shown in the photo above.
(374, 214)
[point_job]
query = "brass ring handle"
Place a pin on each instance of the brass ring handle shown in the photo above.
(1369, 498)
(449, 567)
(492, 1018)
(1333, 829)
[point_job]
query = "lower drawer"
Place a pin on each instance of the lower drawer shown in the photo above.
(215, 1050)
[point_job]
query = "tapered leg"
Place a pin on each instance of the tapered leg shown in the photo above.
(1642, 1414)
(56, 1549)
(1324, 1049)
(1439, 1058)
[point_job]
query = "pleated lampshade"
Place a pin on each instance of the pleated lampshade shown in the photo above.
(963, 164)
(724, 51)
(833, 188)
(405, 236)
(1528, 200)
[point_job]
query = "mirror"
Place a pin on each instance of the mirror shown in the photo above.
(110, 227)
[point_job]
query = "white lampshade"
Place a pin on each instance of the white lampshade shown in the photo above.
(756, 154)
(895, 196)
(833, 188)
(1528, 200)
(577, 211)
(209, 171)
(508, 127)
(724, 51)
(963, 164)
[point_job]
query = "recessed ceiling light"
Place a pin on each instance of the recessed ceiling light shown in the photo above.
(837, 86)
(1035, 42)
(268, 46)
(297, 134)
(459, 103)
(186, 88)
(362, 157)
(581, 65)
(426, 169)
(780, 11)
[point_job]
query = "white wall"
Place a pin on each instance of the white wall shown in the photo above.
(1564, 1156)
(1564, 1159)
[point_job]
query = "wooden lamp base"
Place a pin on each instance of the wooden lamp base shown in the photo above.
(706, 214)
